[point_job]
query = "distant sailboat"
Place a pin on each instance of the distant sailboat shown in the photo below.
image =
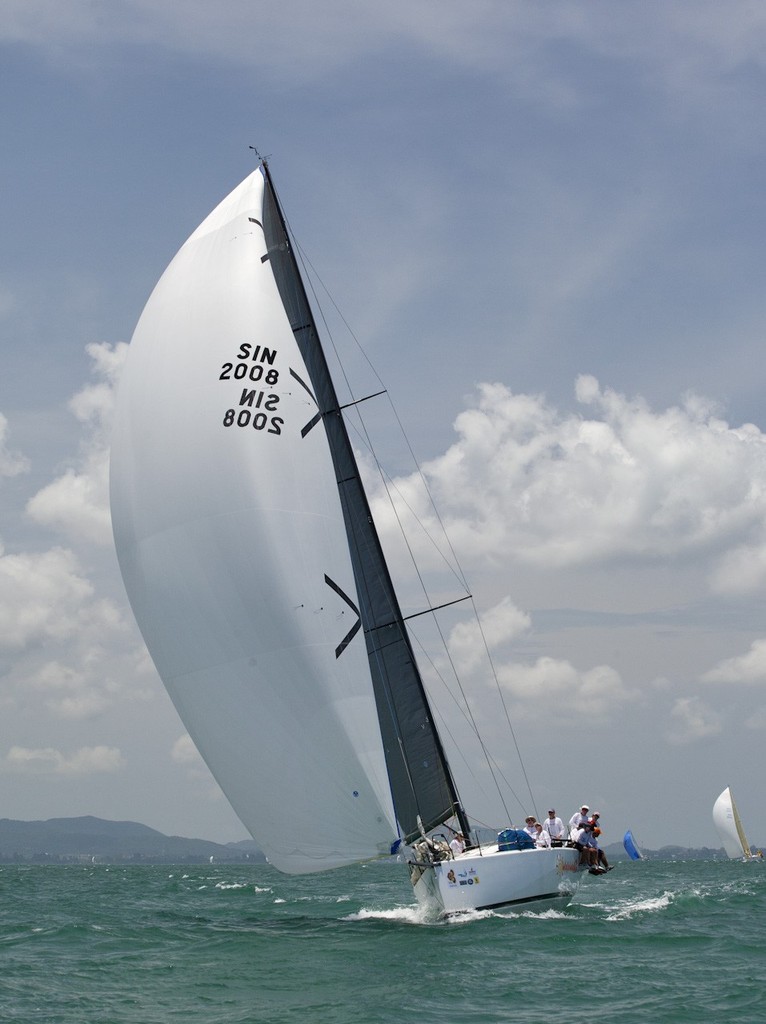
(256, 575)
(727, 821)
(631, 846)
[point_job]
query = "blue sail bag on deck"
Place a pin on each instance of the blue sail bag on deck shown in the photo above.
(514, 839)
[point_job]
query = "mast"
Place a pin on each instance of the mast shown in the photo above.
(422, 786)
(740, 830)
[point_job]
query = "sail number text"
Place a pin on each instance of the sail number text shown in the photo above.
(255, 406)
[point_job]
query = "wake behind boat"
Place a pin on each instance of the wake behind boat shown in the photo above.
(257, 577)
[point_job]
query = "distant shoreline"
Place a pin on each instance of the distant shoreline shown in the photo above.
(91, 840)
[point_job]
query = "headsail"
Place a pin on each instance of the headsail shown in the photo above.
(727, 821)
(250, 560)
(631, 846)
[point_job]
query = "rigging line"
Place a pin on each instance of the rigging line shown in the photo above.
(459, 568)
(314, 273)
(463, 708)
(447, 780)
(472, 725)
(391, 485)
(464, 698)
(308, 279)
(299, 253)
(456, 567)
(503, 703)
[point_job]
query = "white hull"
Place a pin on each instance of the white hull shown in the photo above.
(479, 880)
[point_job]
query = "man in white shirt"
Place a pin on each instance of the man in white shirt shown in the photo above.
(543, 840)
(578, 819)
(529, 826)
(585, 842)
(554, 826)
(457, 845)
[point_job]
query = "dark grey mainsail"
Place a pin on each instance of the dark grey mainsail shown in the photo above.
(421, 782)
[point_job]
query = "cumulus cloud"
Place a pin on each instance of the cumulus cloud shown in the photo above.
(556, 688)
(49, 761)
(46, 596)
(184, 751)
(72, 652)
(491, 35)
(499, 625)
(11, 463)
(67, 650)
(73, 692)
(76, 504)
(618, 481)
(746, 668)
(185, 754)
(691, 720)
(546, 688)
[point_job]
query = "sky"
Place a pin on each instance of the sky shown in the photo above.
(545, 222)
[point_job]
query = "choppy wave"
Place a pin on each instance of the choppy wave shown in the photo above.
(223, 945)
(641, 906)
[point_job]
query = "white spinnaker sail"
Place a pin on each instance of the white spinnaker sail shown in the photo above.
(726, 821)
(228, 525)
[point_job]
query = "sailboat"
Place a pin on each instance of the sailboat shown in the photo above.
(257, 578)
(727, 821)
(631, 846)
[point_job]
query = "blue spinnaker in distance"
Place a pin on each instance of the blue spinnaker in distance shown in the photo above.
(631, 847)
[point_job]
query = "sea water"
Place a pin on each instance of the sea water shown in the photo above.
(652, 941)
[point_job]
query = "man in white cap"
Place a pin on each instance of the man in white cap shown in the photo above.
(458, 844)
(578, 819)
(554, 827)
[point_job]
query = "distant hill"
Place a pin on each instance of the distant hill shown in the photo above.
(96, 840)
(89, 839)
(616, 851)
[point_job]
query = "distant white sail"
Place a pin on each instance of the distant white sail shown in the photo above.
(727, 822)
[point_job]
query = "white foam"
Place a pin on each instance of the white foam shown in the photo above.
(418, 915)
(403, 915)
(649, 906)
